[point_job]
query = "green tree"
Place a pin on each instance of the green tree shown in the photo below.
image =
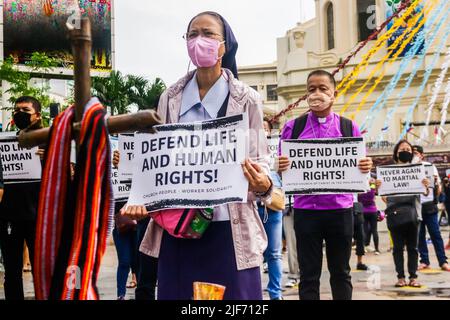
(21, 84)
(119, 92)
(112, 91)
(145, 94)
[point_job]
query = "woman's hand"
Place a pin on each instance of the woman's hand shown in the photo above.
(365, 164)
(257, 179)
(378, 184)
(282, 164)
(134, 212)
(41, 153)
(426, 183)
(116, 158)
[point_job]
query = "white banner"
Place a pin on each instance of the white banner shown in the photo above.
(191, 165)
(121, 190)
(401, 179)
(274, 142)
(126, 150)
(19, 165)
(324, 166)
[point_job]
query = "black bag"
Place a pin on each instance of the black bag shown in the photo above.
(401, 214)
(429, 208)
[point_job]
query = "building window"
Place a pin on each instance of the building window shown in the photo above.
(366, 18)
(272, 92)
(330, 26)
(254, 88)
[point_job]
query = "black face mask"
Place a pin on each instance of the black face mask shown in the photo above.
(405, 156)
(22, 120)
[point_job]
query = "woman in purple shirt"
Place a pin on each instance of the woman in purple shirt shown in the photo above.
(370, 215)
(319, 218)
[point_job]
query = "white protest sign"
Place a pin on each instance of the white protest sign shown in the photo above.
(73, 152)
(429, 174)
(401, 179)
(324, 166)
(121, 190)
(273, 150)
(19, 165)
(126, 149)
(191, 165)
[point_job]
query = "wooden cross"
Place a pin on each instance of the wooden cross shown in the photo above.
(81, 42)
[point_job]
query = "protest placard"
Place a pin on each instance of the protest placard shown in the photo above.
(401, 179)
(121, 190)
(191, 165)
(430, 174)
(126, 149)
(274, 142)
(19, 165)
(324, 166)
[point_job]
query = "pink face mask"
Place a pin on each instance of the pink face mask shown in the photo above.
(204, 52)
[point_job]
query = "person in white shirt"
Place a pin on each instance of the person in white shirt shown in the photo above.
(430, 217)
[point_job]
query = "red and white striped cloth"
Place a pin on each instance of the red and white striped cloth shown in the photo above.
(74, 217)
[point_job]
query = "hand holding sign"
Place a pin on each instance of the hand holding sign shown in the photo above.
(134, 212)
(365, 164)
(116, 159)
(426, 182)
(283, 163)
(258, 181)
(41, 153)
(378, 183)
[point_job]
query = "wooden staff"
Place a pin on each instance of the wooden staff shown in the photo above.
(81, 42)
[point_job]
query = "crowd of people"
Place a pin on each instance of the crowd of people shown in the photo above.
(244, 235)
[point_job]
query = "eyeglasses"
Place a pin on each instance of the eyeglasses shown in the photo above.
(208, 34)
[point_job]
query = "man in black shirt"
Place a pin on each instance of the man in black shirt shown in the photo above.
(18, 209)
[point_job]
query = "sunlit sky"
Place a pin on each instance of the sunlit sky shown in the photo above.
(148, 33)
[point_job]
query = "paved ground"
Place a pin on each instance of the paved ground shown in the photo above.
(367, 285)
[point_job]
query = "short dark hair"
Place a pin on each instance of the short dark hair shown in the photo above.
(27, 99)
(397, 146)
(321, 73)
(418, 149)
(266, 119)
